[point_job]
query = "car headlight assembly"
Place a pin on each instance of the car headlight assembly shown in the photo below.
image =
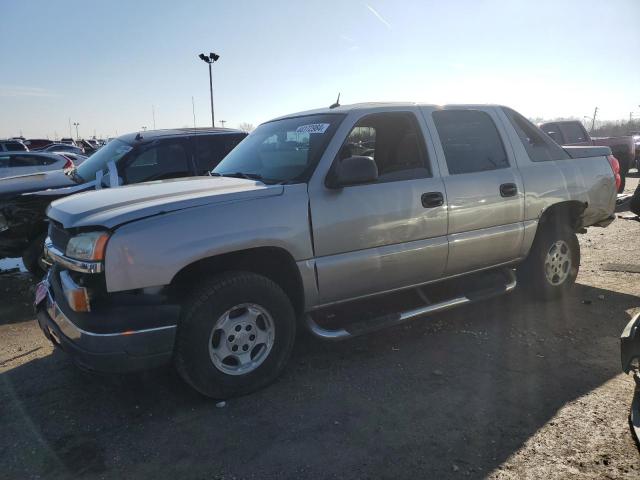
(88, 246)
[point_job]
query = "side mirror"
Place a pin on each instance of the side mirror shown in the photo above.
(353, 171)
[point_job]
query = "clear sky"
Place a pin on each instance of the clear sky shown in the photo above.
(105, 63)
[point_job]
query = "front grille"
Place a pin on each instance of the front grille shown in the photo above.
(59, 236)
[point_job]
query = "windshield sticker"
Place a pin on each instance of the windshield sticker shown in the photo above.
(313, 128)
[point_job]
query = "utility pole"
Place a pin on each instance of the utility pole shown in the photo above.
(593, 120)
(70, 134)
(153, 115)
(210, 59)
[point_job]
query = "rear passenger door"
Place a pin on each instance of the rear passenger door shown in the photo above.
(484, 188)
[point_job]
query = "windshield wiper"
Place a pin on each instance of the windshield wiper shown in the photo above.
(248, 176)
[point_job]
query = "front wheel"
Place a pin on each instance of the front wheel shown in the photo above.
(33, 257)
(235, 335)
(553, 262)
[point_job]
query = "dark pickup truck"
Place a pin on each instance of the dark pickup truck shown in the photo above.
(132, 158)
(573, 133)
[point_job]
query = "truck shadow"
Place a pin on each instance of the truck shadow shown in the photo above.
(465, 388)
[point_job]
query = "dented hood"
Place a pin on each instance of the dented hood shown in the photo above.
(114, 206)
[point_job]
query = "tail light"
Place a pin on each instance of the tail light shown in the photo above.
(70, 164)
(615, 166)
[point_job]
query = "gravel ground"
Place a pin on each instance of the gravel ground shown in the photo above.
(504, 389)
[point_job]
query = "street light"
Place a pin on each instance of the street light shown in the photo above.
(75, 124)
(211, 58)
(144, 129)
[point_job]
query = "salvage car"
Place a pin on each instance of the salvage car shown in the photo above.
(572, 132)
(215, 274)
(132, 158)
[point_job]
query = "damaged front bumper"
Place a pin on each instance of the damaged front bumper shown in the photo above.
(118, 337)
(630, 357)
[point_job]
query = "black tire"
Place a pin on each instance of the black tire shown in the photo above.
(625, 164)
(32, 256)
(199, 315)
(532, 273)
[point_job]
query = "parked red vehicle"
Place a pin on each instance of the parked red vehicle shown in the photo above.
(572, 132)
(37, 143)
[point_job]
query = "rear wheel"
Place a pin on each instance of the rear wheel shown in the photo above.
(553, 262)
(235, 335)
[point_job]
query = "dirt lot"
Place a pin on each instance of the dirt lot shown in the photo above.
(505, 389)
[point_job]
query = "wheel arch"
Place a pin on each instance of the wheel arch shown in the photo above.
(570, 211)
(275, 263)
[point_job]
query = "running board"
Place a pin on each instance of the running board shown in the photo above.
(377, 323)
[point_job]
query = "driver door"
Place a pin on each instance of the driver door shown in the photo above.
(388, 234)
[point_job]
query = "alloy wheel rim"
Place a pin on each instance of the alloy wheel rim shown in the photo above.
(557, 264)
(241, 339)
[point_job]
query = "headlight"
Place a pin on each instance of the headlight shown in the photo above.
(87, 246)
(4, 225)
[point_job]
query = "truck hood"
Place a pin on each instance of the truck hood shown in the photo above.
(114, 206)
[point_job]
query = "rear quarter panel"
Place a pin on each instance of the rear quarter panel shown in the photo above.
(587, 180)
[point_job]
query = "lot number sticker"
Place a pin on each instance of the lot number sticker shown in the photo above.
(313, 128)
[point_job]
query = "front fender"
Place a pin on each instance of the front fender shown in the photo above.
(151, 251)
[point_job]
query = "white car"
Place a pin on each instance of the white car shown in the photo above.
(13, 164)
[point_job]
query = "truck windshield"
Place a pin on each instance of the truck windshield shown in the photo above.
(112, 151)
(282, 151)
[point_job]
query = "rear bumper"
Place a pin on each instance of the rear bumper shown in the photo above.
(629, 350)
(120, 351)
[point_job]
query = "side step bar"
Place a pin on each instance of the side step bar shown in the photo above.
(371, 325)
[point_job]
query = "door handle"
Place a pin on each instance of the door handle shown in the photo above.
(432, 199)
(508, 190)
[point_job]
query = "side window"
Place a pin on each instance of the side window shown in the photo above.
(26, 161)
(394, 141)
(573, 132)
(166, 160)
(470, 141)
(14, 147)
(209, 151)
(553, 131)
(539, 147)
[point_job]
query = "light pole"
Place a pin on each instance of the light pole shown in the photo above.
(75, 124)
(144, 129)
(209, 60)
(222, 122)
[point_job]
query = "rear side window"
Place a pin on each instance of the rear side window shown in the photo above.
(539, 147)
(15, 147)
(573, 132)
(209, 151)
(470, 141)
(27, 161)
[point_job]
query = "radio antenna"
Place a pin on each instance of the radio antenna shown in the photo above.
(337, 104)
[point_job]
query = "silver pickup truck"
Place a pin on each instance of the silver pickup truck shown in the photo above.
(309, 218)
